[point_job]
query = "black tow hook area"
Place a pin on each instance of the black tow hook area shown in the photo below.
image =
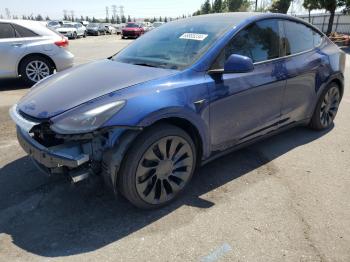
(80, 174)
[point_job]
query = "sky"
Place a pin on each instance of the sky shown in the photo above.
(134, 8)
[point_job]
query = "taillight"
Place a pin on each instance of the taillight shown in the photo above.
(62, 43)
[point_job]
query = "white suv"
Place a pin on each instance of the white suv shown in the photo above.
(31, 50)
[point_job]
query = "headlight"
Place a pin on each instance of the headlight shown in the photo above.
(84, 122)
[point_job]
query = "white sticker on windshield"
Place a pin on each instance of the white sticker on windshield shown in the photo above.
(193, 36)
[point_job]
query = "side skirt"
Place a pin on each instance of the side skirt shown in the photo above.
(281, 129)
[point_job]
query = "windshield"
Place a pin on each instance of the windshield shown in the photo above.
(53, 23)
(131, 25)
(175, 45)
(92, 25)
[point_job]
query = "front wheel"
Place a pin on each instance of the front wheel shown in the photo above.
(326, 108)
(84, 35)
(157, 167)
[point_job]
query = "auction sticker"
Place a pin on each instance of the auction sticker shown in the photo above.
(193, 36)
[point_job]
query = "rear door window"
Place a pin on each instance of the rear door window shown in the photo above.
(7, 31)
(299, 37)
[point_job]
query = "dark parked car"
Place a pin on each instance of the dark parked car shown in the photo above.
(132, 30)
(96, 29)
(182, 95)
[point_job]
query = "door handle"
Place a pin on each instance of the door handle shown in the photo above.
(17, 44)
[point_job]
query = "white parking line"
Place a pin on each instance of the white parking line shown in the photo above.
(217, 253)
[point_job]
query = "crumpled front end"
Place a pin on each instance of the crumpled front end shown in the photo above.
(75, 155)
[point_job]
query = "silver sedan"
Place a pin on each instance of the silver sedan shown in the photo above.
(32, 51)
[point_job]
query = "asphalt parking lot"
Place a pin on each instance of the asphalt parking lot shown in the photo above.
(284, 199)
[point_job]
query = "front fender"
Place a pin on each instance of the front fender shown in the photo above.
(180, 113)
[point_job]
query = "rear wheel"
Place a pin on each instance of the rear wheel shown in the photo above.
(326, 108)
(158, 166)
(75, 35)
(84, 34)
(35, 68)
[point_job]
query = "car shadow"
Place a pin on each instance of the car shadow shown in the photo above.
(54, 218)
(12, 84)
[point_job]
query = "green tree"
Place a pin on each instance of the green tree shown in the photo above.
(236, 5)
(47, 18)
(160, 19)
(129, 18)
(217, 6)
(198, 12)
(112, 20)
(118, 19)
(134, 19)
(331, 6)
(280, 6)
(123, 19)
(311, 5)
(94, 20)
(107, 20)
(39, 18)
(206, 7)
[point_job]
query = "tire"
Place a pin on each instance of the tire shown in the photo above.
(84, 35)
(98, 33)
(326, 108)
(157, 167)
(75, 35)
(30, 64)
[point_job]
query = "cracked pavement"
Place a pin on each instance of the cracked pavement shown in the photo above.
(284, 199)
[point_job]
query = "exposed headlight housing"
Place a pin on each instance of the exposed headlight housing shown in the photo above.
(88, 121)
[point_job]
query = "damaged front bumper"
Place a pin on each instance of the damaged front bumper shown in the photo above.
(51, 157)
(77, 156)
(52, 154)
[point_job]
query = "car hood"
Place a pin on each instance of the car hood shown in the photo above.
(70, 88)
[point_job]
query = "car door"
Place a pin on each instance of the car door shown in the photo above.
(306, 64)
(246, 105)
(11, 49)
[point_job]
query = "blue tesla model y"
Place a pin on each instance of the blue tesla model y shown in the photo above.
(180, 96)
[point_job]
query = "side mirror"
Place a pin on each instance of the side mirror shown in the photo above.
(238, 64)
(235, 64)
